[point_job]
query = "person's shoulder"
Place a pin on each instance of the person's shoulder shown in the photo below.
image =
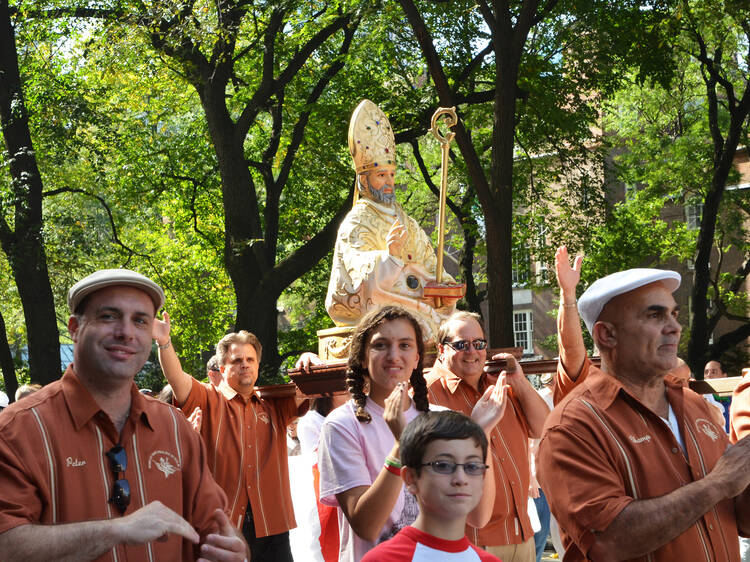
(576, 407)
(43, 400)
(435, 376)
(398, 548)
(163, 416)
(343, 415)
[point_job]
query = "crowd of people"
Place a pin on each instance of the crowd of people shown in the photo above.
(619, 461)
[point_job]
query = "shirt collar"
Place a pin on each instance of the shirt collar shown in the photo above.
(453, 381)
(605, 388)
(83, 406)
(228, 392)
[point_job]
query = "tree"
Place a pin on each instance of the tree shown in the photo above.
(21, 235)
(529, 44)
(719, 40)
(678, 145)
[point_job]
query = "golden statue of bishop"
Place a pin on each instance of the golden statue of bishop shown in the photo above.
(382, 256)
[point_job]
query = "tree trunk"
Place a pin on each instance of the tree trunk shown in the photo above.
(500, 217)
(24, 246)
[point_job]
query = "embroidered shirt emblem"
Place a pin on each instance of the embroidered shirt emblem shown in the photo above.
(263, 417)
(644, 439)
(70, 461)
(708, 428)
(166, 462)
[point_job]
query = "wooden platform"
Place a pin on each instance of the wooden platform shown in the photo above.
(330, 379)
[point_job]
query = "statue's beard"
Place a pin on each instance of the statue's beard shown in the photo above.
(378, 195)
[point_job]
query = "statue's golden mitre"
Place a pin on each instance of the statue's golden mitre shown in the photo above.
(371, 141)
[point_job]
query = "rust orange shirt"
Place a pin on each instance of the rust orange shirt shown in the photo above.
(739, 416)
(246, 441)
(54, 469)
(509, 447)
(602, 449)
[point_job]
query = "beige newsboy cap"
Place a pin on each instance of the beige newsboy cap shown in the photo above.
(603, 290)
(111, 277)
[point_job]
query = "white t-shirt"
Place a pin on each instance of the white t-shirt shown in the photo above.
(350, 454)
(308, 432)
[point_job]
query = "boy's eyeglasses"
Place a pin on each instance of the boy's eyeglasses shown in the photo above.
(118, 461)
(461, 345)
(447, 467)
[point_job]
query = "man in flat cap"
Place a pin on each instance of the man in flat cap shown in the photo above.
(632, 463)
(92, 469)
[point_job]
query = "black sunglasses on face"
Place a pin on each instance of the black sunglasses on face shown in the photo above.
(118, 461)
(461, 345)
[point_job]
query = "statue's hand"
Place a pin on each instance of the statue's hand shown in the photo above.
(396, 238)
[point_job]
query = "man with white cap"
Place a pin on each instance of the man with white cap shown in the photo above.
(635, 467)
(92, 469)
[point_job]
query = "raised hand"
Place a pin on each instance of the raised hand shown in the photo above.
(567, 276)
(161, 329)
(489, 409)
(395, 404)
(396, 238)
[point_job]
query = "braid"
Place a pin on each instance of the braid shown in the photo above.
(419, 386)
(355, 383)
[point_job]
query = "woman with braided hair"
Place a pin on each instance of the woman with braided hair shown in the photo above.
(358, 452)
(358, 438)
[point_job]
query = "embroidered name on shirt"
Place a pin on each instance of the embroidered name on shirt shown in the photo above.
(644, 439)
(707, 427)
(74, 462)
(165, 462)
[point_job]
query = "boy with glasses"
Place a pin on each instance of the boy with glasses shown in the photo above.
(457, 382)
(444, 456)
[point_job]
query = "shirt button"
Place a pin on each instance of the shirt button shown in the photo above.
(711, 527)
(674, 450)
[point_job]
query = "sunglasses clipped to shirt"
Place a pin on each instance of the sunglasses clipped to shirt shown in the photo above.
(463, 345)
(448, 467)
(118, 461)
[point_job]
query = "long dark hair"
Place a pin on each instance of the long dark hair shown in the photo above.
(357, 367)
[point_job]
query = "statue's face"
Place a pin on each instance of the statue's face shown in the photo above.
(380, 184)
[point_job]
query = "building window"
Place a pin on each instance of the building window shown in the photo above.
(523, 331)
(693, 214)
(521, 269)
(541, 244)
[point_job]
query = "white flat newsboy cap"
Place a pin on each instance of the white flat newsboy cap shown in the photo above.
(112, 277)
(603, 290)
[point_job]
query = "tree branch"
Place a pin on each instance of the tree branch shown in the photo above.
(103, 203)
